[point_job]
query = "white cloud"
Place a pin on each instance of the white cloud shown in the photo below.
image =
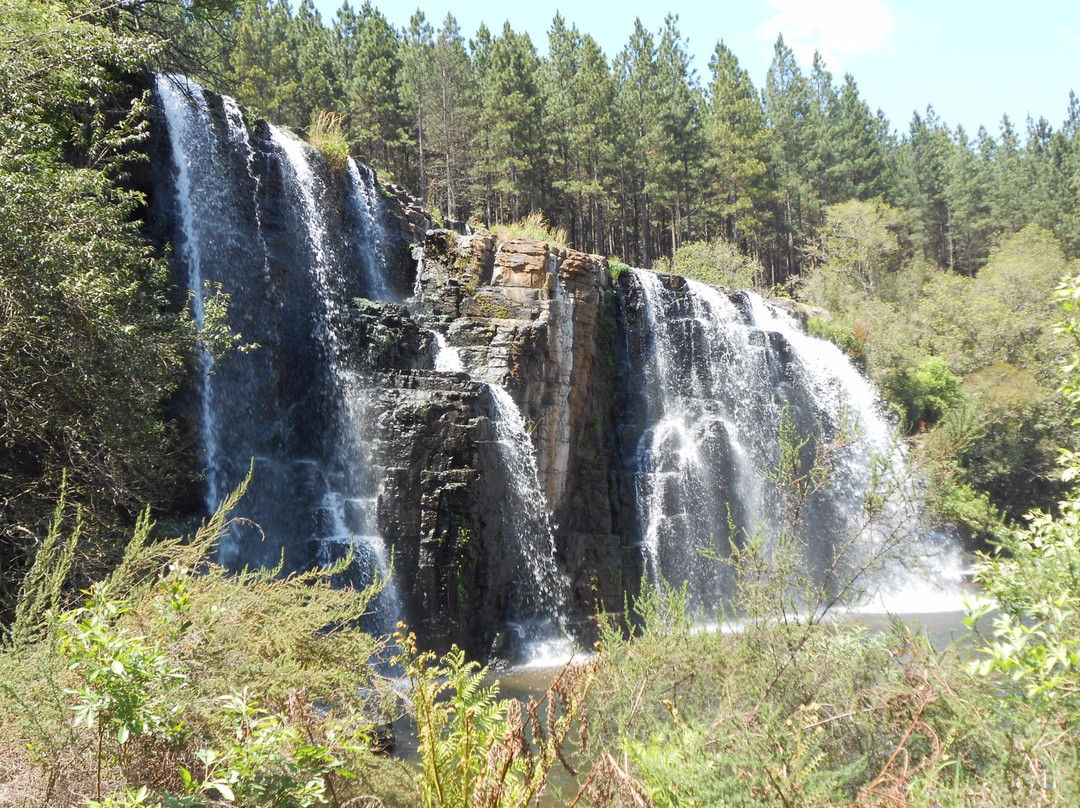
(837, 28)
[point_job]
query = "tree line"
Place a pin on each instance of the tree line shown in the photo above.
(635, 155)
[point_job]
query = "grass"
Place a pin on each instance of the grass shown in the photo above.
(534, 226)
(327, 136)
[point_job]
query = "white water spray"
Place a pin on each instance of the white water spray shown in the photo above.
(720, 380)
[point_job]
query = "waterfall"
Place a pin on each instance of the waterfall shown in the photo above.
(721, 377)
(364, 429)
(210, 231)
(447, 359)
(326, 278)
(528, 531)
(347, 512)
(364, 218)
(526, 509)
(292, 405)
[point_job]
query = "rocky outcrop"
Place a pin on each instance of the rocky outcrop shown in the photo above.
(537, 319)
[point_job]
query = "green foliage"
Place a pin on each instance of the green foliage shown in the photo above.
(127, 689)
(476, 750)
(1031, 581)
(852, 341)
(924, 327)
(455, 733)
(125, 679)
(924, 392)
(714, 262)
(533, 226)
(326, 135)
(42, 588)
(1032, 578)
(635, 155)
(617, 268)
(857, 249)
(714, 718)
(89, 350)
(267, 762)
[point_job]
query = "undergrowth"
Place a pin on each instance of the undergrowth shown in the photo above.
(187, 685)
(177, 684)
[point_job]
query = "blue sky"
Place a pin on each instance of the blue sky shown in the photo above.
(973, 61)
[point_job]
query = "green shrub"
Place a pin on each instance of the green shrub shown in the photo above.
(853, 341)
(326, 135)
(617, 268)
(533, 226)
(714, 262)
(923, 392)
(126, 691)
(475, 750)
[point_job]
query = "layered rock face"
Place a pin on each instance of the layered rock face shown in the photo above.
(536, 319)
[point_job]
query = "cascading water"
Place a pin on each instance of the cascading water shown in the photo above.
(447, 359)
(357, 425)
(346, 518)
(258, 228)
(723, 380)
(875, 485)
(526, 508)
(210, 227)
(527, 526)
(364, 216)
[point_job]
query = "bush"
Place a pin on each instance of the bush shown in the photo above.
(154, 669)
(718, 263)
(90, 351)
(326, 135)
(789, 713)
(534, 226)
(851, 340)
(617, 268)
(924, 392)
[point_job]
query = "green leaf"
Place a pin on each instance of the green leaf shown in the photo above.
(225, 791)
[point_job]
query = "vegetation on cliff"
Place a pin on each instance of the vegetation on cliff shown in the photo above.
(88, 349)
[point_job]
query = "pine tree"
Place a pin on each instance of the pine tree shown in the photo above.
(263, 65)
(369, 54)
(319, 86)
(737, 188)
(788, 105)
(511, 116)
(927, 151)
(562, 108)
(578, 97)
(416, 86)
(858, 142)
(1067, 148)
(453, 99)
(965, 192)
(681, 139)
(636, 101)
